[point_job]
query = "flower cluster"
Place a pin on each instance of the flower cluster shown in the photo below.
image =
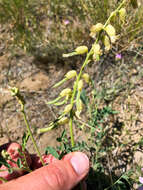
(104, 36)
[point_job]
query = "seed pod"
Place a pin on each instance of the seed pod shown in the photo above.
(65, 92)
(86, 77)
(80, 85)
(70, 74)
(122, 14)
(67, 108)
(81, 50)
(96, 28)
(110, 30)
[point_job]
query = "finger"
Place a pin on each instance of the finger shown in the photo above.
(60, 175)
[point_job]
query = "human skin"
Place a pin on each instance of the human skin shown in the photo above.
(60, 175)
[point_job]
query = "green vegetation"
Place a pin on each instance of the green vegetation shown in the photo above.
(45, 26)
(89, 32)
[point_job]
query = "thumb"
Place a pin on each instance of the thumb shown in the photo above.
(59, 175)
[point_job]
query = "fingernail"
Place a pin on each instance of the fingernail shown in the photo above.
(80, 163)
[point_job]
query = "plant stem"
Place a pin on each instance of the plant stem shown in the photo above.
(115, 182)
(71, 129)
(15, 92)
(73, 96)
(32, 138)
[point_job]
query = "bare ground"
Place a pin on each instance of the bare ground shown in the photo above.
(121, 81)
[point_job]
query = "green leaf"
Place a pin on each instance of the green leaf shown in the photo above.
(120, 183)
(50, 150)
(59, 139)
(4, 162)
(83, 97)
(24, 140)
(19, 163)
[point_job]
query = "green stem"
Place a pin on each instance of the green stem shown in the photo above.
(83, 123)
(54, 101)
(73, 96)
(60, 83)
(32, 138)
(115, 182)
(71, 129)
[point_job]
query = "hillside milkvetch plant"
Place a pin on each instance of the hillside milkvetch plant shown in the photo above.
(104, 35)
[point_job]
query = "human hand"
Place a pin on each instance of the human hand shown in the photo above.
(60, 175)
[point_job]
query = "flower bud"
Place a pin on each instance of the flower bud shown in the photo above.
(79, 107)
(110, 30)
(122, 14)
(14, 91)
(80, 85)
(63, 121)
(77, 113)
(96, 57)
(86, 77)
(81, 50)
(96, 49)
(65, 92)
(67, 108)
(113, 14)
(96, 28)
(107, 44)
(70, 74)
